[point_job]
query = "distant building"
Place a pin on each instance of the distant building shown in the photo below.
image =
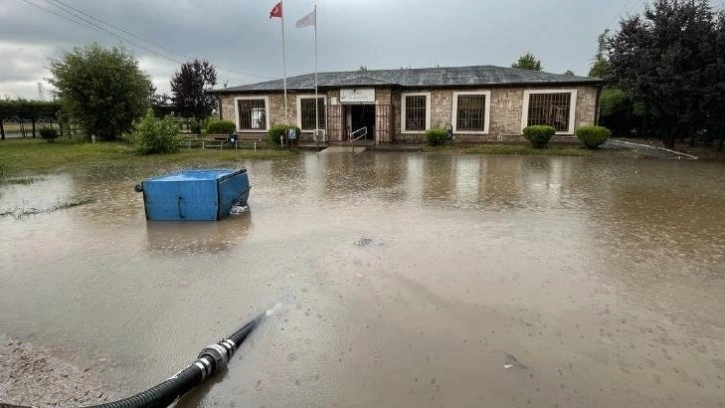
(480, 103)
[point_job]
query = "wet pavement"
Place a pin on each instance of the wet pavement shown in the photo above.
(409, 280)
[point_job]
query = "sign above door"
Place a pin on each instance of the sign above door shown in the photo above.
(357, 95)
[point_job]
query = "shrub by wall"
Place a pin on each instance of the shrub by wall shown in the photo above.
(593, 136)
(539, 135)
(221, 127)
(276, 132)
(436, 136)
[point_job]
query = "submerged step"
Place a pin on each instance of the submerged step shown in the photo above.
(344, 149)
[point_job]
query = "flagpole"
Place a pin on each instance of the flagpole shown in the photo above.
(284, 63)
(317, 101)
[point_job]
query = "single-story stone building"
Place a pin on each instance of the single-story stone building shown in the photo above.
(480, 103)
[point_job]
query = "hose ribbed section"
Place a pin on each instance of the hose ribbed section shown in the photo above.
(211, 359)
(161, 395)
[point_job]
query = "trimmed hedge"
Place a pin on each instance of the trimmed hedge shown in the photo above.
(539, 135)
(48, 134)
(436, 136)
(593, 136)
(221, 127)
(276, 132)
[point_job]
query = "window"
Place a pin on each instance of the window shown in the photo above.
(416, 112)
(252, 114)
(550, 108)
(471, 111)
(306, 106)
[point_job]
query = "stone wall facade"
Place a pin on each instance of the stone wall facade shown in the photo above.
(505, 117)
(275, 110)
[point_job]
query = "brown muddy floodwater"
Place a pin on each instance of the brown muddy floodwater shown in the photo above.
(403, 280)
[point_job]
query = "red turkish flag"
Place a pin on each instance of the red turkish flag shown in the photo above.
(276, 11)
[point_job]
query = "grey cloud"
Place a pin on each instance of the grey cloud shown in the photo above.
(237, 34)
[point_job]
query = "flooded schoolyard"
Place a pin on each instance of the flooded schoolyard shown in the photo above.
(401, 280)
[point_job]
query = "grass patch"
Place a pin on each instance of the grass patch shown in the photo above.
(30, 156)
(520, 149)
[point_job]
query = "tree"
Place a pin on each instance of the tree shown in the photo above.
(161, 104)
(668, 59)
(601, 67)
(716, 75)
(528, 61)
(364, 68)
(569, 72)
(27, 110)
(190, 86)
(101, 88)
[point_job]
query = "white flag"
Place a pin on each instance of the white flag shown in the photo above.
(307, 21)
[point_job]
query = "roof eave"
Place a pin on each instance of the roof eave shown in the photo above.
(593, 81)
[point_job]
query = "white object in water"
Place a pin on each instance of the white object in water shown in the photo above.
(238, 209)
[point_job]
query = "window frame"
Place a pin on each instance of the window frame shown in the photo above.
(403, 112)
(572, 107)
(487, 111)
(299, 110)
(266, 112)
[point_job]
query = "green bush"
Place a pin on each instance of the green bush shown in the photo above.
(48, 134)
(152, 135)
(539, 135)
(195, 127)
(593, 136)
(436, 136)
(276, 132)
(221, 127)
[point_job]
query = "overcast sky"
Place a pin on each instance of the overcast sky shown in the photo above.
(245, 45)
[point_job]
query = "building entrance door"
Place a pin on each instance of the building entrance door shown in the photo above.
(361, 116)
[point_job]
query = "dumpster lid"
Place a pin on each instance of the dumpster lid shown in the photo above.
(193, 175)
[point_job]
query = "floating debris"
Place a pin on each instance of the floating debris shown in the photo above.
(20, 180)
(25, 212)
(511, 361)
(363, 242)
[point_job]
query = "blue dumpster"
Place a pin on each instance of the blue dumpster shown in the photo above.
(195, 195)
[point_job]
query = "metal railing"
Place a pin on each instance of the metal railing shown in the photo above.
(357, 135)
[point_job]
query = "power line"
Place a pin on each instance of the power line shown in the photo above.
(101, 29)
(83, 22)
(169, 50)
(119, 29)
(59, 15)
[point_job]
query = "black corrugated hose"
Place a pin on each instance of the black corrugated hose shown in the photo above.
(211, 359)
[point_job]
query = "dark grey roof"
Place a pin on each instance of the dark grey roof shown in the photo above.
(419, 77)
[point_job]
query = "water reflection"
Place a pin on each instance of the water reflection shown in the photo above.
(608, 274)
(200, 237)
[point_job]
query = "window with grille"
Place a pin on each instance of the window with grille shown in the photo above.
(307, 112)
(252, 114)
(415, 113)
(550, 109)
(471, 113)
